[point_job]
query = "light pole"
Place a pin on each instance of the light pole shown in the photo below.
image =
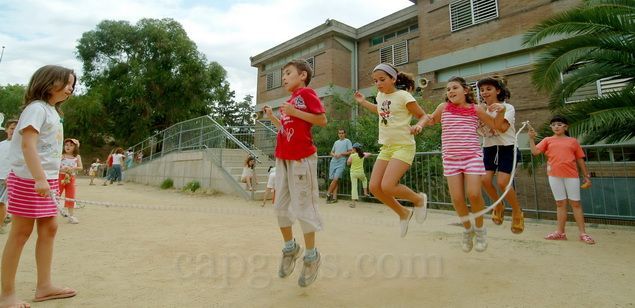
(1, 54)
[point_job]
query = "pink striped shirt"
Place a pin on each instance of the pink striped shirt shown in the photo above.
(459, 139)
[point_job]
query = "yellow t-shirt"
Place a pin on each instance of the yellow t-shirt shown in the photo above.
(357, 164)
(394, 117)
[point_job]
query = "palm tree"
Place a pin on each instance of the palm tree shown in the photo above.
(596, 42)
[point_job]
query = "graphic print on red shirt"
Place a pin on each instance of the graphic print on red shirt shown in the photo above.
(294, 140)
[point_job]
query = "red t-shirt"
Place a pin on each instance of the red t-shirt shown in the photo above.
(562, 153)
(294, 140)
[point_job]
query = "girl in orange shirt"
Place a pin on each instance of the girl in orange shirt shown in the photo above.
(563, 152)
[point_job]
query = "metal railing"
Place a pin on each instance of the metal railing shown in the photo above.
(612, 196)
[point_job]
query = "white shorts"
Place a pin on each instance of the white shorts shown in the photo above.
(297, 194)
(271, 182)
(565, 188)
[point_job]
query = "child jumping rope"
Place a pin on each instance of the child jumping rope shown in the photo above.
(71, 163)
(297, 193)
(35, 153)
(499, 151)
(462, 154)
(356, 161)
(563, 152)
(395, 108)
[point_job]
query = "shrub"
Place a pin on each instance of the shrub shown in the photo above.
(192, 186)
(167, 184)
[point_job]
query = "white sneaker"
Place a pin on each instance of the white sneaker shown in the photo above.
(480, 242)
(404, 224)
(73, 220)
(466, 241)
(421, 210)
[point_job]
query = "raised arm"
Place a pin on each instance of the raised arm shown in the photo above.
(359, 97)
(269, 112)
(531, 133)
(490, 121)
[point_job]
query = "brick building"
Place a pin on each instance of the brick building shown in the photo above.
(432, 39)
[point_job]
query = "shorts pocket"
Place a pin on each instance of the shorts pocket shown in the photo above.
(301, 179)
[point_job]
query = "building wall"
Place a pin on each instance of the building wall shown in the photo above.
(515, 18)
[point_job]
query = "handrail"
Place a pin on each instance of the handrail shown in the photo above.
(235, 140)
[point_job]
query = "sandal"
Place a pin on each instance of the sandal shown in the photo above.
(555, 235)
(587, 239)
(518, 223)
(498, 214)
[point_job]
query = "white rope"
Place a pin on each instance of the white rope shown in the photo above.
(470, 217)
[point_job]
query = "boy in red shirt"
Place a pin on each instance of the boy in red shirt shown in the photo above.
(296, 188)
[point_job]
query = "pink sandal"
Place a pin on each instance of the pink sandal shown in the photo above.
(557, 236)
(587, 239)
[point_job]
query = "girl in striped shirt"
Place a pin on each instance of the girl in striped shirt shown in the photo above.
(35, 156)
(462, 154)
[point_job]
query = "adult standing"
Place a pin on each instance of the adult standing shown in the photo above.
(339, 153)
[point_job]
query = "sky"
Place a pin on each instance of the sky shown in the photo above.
(39, 32)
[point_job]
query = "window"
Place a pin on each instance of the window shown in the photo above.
(376, 40)
(396, 54)
(311, 62)
(600, 87)
(274, 79)
(466, 13)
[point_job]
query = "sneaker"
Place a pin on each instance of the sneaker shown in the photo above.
(556, 236)
(404, 224)
(587, 239)
(421, 210)
(352, 205)
(466, 241)
(480, 242)
(309, 271)
(73, 220)
(328, 198)
(287, 265)
(7, 220)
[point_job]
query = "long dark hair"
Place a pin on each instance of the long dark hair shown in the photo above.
(499, 83)
(469, 97)
(46, 79)
(359, 151)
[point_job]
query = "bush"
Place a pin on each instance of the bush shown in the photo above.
(167, 184)
(192, 186)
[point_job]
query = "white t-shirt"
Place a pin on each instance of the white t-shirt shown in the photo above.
(492, 137)
(4, 159)
(43, 118)
(116, 159)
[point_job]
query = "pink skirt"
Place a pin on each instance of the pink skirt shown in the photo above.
(24, 201)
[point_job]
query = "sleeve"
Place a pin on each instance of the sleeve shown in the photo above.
(543, 145)
(349, 145)
(510, 114)
(333, 147)
(33, 115)
(312, 101)
(407, 97)
(579, 152)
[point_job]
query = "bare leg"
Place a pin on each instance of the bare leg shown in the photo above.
(390, 182)
(376, 188)
(287, 233)
(561, 214)
(475, 196)
(578, 214)
(20, 232)
(309, 240)
(457, 193)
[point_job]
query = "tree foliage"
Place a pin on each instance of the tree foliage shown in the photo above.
(147, 76)
(598, 44)
(11, 97)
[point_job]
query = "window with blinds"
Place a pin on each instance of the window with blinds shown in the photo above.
(601, 87)
(274, 79)
(396, 54)
(466, 13)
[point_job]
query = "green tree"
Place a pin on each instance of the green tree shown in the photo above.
(148, 76)
(84, 120)
(11, 97)
(598, 42)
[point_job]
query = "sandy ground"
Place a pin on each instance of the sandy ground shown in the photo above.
(200, 250)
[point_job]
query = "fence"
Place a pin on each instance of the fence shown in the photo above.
(611, 197)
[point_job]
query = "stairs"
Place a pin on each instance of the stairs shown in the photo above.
(233, 163)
